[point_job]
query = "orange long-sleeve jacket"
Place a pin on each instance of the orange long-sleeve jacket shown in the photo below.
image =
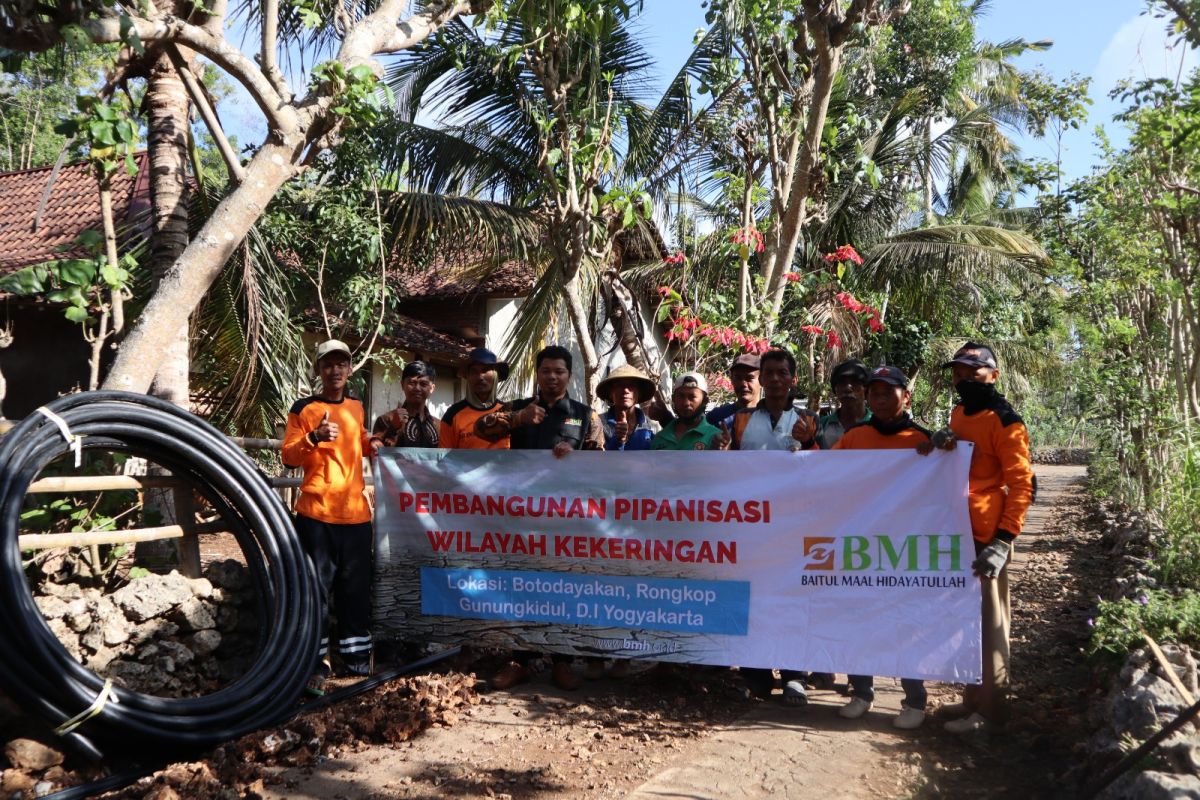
(1001, 478)
(865, 436)
(333, 489)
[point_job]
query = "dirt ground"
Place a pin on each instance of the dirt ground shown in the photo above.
(661, 736)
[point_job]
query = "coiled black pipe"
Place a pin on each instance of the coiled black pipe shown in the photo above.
(120, 780)
(37, 671)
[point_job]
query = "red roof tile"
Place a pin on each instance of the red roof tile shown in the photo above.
(402, 332)
(452, 277)
(73, 207)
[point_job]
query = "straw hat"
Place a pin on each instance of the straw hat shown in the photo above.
(645, 386)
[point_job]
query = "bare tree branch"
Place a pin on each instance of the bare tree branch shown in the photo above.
(280, 116)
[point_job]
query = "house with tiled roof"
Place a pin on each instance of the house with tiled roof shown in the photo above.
(463, 293)
(42, 213)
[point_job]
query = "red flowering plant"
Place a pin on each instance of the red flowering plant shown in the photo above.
(750, 238)
(707, 337)
(843, 256)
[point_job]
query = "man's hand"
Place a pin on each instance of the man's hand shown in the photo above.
(626, 422)
(723, 439)
(991, 558)
(561, 449)
(397, 418)
(942, 440)
(805, 428)
(327, 431)
(374, 444)
(532, 414)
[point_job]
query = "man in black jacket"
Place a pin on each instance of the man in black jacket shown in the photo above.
(550, 420)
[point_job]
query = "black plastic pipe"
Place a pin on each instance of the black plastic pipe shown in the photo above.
(37, 671)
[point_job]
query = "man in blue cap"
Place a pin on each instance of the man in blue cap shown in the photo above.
(471, 423)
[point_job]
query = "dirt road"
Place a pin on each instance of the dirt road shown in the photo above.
(675, 737)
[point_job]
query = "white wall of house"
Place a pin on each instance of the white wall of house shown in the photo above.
(502, 311)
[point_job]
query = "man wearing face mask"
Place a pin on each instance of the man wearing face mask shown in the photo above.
(1001, 490)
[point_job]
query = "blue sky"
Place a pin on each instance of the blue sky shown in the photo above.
(1105, 39)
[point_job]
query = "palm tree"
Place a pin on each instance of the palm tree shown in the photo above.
(548, 143)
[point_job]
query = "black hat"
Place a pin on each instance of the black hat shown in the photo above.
(481, 355)
(849, 369)
(891, 375)
(973, 355)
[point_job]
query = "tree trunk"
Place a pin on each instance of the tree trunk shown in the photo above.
(807, 170)
(184, 285)
(167, 101)
(583, 335)
(167, 105)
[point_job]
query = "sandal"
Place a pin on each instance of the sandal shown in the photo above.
(316, 684)
(794, 694)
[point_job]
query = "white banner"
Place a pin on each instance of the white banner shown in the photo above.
(854, 561)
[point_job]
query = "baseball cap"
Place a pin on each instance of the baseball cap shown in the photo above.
(747, 360)
(331, 346)
(481, 355)
(973, 355)
(890, 375)
(689, 379)
(853, 368)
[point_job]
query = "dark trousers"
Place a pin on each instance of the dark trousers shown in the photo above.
(914, 690)
(761, 681)
(342, 556)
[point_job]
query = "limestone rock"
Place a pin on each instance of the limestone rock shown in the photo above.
(51, 607)
(66, 637)
(115, 630)
(31, 755)
(228, 574)
(1163, 786)
(152, 596)
(1136, 709)
(205, 642)
(201, 587)
(65, 591)
(193, 614)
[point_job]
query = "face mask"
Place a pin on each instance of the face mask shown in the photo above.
(975, 395)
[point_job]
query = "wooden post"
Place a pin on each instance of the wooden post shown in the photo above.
(189, 546)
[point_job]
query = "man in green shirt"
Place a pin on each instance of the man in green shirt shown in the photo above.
(689, 430)
(849, 381)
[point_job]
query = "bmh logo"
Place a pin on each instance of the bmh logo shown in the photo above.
(818, 553)
(912, 553)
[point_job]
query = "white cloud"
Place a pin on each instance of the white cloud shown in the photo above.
(1141, 49)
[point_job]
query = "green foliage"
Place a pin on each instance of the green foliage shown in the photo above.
(36, 95)
(107, 130)
(75, 282)
(1165, 616)
(360, 97)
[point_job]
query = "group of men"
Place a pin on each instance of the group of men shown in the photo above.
(327, 437)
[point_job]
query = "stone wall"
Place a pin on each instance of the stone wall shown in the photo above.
(164, 635)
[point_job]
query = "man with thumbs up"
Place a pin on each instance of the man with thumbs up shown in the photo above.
(625, 426)
(326, 437)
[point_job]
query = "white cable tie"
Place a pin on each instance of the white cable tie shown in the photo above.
(76, 442)
(106, 694)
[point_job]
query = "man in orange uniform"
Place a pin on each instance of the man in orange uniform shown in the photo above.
(1001, 489)
(888, 426)
(326, 437)
(472, 423)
